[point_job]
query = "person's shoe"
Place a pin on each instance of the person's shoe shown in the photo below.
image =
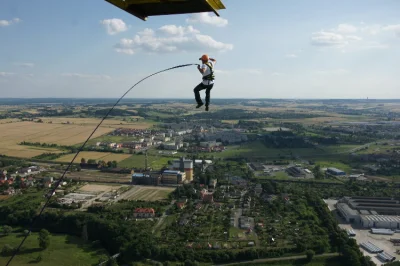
(199, 105)
(207, 108)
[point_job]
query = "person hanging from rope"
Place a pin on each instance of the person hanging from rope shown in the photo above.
(207, 69)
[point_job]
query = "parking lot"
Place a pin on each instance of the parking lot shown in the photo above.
(382, 241)
(364, 235)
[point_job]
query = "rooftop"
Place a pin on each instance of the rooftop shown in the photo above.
(381, 218)
(344, 207)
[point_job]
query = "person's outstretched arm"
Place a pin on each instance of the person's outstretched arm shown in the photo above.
(201, 69)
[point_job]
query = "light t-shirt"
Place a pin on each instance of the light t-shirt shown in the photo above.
(208, 72)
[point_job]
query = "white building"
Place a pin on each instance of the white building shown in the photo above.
(380, 221)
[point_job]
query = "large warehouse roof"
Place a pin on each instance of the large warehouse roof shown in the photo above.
(381, 218)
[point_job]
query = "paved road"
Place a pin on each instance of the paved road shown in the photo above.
(279, 259)
(162, 218)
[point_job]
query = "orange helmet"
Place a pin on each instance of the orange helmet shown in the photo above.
(204, 57)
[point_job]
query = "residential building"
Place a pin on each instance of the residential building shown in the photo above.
(171, 146)
(207, 196)
(144, 213)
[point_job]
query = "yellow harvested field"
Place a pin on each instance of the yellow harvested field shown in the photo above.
(98, 188)
(9, 120)
(108, 123)
(13, 133)
(148, 193)
(106, 156)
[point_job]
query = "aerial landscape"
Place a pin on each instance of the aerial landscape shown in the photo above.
(291, 157)
(253, 179)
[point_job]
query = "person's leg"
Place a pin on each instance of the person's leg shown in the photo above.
(208, 91)
(197, 94)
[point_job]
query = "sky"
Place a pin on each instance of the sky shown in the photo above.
(264, 49)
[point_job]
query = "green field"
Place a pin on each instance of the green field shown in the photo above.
(63, 251)
(138, 160)
(257, 149)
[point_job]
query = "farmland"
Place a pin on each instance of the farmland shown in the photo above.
(106, 156)
(108, 123)
(96, 176)
(98, 188)
(147, 193)
(13, 133)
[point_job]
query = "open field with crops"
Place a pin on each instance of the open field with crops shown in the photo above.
(105, 156)
(147, 193)
(13, 133)
(108, 123)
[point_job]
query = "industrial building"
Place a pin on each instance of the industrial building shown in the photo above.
(151, 179)
(370, 212)
(373, 205)
(335, 171)
(173, 177)
(184, 165)
(380, 221)
(295, 171)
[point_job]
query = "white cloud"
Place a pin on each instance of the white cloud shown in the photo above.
(371, 29)
(394, 28)
(6, 74)
(291, 55)
(114, 26)
(86, 76)
(24, 64)
(346, 28)
(276, 74)
(206, 18)
(5, 23)
(169, 39)
(325, 38)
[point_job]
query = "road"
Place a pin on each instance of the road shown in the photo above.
(162, 218)
(279, 259)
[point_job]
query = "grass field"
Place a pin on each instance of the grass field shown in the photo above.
(257, 149)
(106, 156)
(63, 251)
(136, 160)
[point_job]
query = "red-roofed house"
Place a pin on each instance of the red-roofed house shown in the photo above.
(207, 196)
(180, 205)
(144, 213)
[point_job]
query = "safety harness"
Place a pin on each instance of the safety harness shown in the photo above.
(209, 77)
